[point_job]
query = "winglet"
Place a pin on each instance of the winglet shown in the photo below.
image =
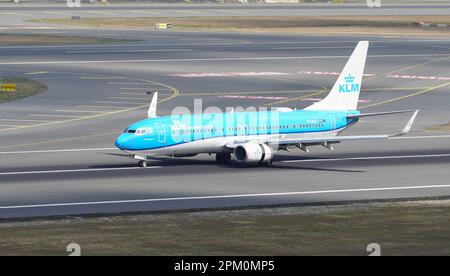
(152, 109)
(409, 124)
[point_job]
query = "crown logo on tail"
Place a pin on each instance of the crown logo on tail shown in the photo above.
(349, 78)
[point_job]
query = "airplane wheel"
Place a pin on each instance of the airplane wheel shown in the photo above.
(143, 164)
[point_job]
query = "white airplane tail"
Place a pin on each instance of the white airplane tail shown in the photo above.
(346, 90)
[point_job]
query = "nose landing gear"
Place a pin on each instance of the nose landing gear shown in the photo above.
(143, 164)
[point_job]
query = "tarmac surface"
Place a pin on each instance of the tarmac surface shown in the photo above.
(57, 155)
(14, 15)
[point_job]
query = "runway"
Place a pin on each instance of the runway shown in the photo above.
(57, 155)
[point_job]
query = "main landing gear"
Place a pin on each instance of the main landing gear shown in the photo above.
(223, 158)
(143, 164)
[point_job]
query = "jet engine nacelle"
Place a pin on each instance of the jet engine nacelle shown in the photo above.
(253, 153)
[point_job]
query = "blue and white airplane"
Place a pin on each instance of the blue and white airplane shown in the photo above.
(255, 137)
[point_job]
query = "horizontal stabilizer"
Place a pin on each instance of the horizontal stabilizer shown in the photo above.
(378, 114)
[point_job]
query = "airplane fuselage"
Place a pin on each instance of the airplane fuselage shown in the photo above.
(210, 133)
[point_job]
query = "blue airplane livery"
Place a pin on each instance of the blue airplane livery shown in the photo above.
(253, 137)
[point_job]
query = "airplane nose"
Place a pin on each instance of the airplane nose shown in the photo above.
(121, 142)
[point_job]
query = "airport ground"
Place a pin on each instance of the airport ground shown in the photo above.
(402, 228)
(57, 152)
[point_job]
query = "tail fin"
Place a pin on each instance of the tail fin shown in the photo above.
(346, 90)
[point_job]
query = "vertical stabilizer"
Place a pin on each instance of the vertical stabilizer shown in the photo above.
(346, 90)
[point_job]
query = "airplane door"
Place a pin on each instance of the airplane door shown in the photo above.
(161, 133)
(332, 122)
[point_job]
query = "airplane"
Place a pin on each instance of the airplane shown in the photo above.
(253, 138)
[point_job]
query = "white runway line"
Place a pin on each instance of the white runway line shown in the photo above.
(203, 44)
(127, 98)
(53, 115)
(366, 158)
(102, 106)
(140, 88)
(206, 59)
(286, 161)
(79, 170)
(128, 83)
(128, 51)
(77, 111)
(11, 125)
(225, 196)
(420, 137)
(56, 151)
(22, 120)
(313, 47)
(110, 102)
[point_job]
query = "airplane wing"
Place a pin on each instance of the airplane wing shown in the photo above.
(329, 141)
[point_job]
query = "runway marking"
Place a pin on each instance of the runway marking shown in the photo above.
(77, 111)
(101, 78)
(366, 158)
(373, 76)
(79, 170)
(133, 93)
(140, 88)
(319, 99)
(233, 196)
(283, 92)
(56, 151)
(286, 161)
(10, 125)
(16, 14)
(407, 68)
(252, 97)
(247, 92)
(319, 47)
(143, 11)
(413, 77)
(203, 44)
(323, 90)
(227, 74)
(203, 59)
(420, 137)
(110, 102)
(102, 106)
(37, 73)
(233, 11)
(187, 12)
(127, 98)
(51, 115)
(175, 94)
(128, 51)
(100, 12)
(57, 13)
(143, 89)
(61, 140)
(22, 120)
(127, 83)
(428, 90)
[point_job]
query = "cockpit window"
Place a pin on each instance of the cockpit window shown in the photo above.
(131, 131)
